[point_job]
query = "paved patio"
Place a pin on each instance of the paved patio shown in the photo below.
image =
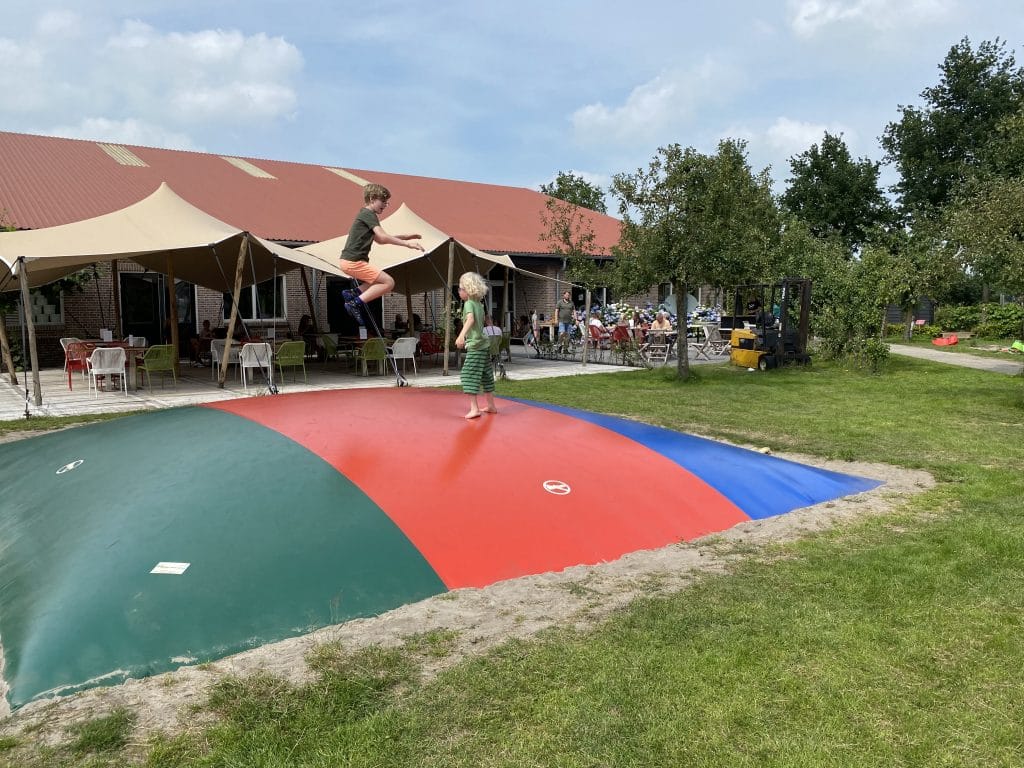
(195, 385)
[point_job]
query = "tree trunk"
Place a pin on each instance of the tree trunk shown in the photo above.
(908, 324)
(682, 349)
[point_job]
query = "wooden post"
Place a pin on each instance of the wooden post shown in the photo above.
(172, 306)
(115, 295)
(505, 306)
(586, 326)
(26, 301)
(234, 310)
(309, 298)
(448, 306)
(408, 308)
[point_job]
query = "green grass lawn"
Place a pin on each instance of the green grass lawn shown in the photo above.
(893, 641)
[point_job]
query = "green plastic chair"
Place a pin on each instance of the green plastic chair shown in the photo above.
(373, 349)
(157, 359)
(291, 354)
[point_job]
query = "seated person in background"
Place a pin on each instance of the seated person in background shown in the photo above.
(417, 322)
(490, 329)
(521, 326)
(400, 324)
(595, 322)
(661, 322)
(201, 343)
(308, 333)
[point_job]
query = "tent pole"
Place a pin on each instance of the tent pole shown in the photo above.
(234, 310)
(448, 306)
(115, 298)
(30, 325)
(172, 299)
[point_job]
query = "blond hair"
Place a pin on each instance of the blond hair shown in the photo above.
(474, 285)
(373, 192)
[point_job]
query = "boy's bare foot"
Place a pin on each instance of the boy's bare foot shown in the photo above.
(490, 410)
(473, 415)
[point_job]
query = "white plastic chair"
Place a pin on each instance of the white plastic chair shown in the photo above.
(256, 355)
(106, 361)
(404, 349)
(217, 352)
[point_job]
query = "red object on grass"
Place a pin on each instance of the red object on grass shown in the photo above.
(946, 341)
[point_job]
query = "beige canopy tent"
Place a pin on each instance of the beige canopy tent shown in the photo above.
(415, 272)
(204, 250)
(443, 259)
(162, 232)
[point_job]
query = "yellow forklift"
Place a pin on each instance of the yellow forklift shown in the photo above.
(770, 324)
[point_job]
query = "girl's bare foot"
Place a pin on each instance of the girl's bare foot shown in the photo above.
(490, 409)
(473, 415)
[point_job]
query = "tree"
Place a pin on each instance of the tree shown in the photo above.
(835, 195)
(935, 147)
(575, 189)
(691, 219)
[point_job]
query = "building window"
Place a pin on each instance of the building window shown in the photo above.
(263, 301)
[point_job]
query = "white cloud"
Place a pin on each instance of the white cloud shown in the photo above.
(130, 131)
(808, 17)
(206, 76)
(656, 108)
(790, 137)
(133, 82)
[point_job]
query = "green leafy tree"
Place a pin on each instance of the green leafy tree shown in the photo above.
(691, 219)
(935, 146)
(837, 196)
(575, 189)
(987, 223)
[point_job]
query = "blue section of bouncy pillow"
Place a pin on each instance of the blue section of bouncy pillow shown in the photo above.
(760, 485)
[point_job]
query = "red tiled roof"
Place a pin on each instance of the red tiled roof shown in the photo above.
(46, 181)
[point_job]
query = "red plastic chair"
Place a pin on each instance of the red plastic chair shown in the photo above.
(430, 344)
(75, 358)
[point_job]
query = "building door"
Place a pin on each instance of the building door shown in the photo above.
(143, 303)
(338, 320)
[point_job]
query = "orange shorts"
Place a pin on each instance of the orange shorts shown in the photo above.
(360, 270)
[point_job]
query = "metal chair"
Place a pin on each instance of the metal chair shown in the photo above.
(404, 349)
(157, 359)
(291, 354)
(217, 347)
(654, 350)
(257, 355)
(106, 361)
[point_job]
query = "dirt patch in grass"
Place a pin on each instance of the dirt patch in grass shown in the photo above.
(473, 620)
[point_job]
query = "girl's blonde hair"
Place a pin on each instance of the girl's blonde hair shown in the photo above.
(474, 285)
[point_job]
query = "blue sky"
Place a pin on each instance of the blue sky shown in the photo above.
(498, 92)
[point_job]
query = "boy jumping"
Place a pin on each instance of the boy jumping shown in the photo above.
(355, 258)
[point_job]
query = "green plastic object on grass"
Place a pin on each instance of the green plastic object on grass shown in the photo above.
(1018, 345)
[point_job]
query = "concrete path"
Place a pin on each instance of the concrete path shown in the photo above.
(963, 359)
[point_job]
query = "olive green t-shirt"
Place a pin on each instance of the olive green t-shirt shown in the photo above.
(566, 311)
(360, 236)
(475, 338)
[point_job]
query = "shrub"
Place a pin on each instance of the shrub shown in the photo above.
(957, 318)
(871, 353)
(928, 331)
(1002, 321)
